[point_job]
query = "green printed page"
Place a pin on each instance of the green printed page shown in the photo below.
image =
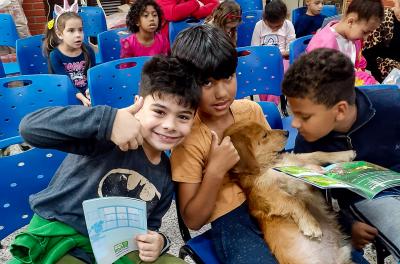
(365, 178)
(362, 177)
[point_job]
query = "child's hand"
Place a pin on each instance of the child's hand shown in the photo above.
(362, 234)
(85, 101)
(223, 156)
(150, 246)
(126, 128)
(87, 94)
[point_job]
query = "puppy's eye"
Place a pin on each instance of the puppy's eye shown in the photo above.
(265, 135)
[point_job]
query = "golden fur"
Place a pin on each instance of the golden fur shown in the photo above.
(297, 225)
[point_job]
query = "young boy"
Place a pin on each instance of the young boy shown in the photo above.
(110, 150)
(361, 18)
(201, 162)
(331, 115)
(312, 20)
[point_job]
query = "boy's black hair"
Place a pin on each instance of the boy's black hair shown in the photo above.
(209, 49)
(366, 9)
(324, 76)
(275, 11)
(137, 9)
(169, 76)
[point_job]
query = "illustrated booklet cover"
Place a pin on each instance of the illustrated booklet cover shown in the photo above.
(112, 224)
(364, 178)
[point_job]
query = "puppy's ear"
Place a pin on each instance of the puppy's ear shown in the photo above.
(248, 163)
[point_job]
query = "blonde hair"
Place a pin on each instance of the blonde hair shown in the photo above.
(226, 12)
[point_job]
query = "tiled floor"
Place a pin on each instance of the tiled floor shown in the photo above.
(170, 227)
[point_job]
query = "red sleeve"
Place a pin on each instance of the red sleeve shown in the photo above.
(174, 11)
(207, 9)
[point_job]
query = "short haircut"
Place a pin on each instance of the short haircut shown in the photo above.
(209, 49)
(275, 11)
(137, 9)
(324, 76)
(168, 76)
(366, 9)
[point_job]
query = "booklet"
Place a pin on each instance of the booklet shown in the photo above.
(364, 178)
(112, 224)
(393, 77)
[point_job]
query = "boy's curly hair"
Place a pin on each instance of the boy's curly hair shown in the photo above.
(162, 76)
(137, 9)
(324, 76)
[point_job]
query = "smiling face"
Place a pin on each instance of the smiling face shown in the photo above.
(165, 122)
(217, 97)
(72, 34)
(148, 21)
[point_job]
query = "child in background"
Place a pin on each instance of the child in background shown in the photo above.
(200, 164)
(144, 21)
(66, 52)
(274, 29)
(226, 16)
(361, 18)
(331, 115)
(312, 20)
(113, 152)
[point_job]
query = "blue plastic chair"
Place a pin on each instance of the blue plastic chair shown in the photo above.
(176, 27)
(2, 73)
(109, 43)
(249, 5)
(112, 84)
(20, 95)
(94, 21)
(23, 174)
(260, 71)
(246, 28)
(298, 47)
(30, 56)
(8, 38)
(327, 10)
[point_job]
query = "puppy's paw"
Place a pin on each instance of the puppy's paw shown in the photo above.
(310, 228)
(342, 156)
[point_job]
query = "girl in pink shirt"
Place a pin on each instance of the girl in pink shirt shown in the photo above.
(143, 20)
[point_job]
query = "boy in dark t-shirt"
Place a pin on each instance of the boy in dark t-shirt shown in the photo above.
(113, 152)
(312, 20)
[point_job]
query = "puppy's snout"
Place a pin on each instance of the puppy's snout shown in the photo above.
(286, 133)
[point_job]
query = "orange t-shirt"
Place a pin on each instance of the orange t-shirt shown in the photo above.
(188, 159)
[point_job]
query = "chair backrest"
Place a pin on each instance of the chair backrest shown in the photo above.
(94, 21)
(272, 114)
(109, 43)
(23, 174)
(2, 73)
(30, 56)
(298, 47)
(248, 5)
(378, 86)
(8, 31)
(259, 71)
(20, 95)
(115, 83)
(176, 27)
(246, 28)
(327, 10)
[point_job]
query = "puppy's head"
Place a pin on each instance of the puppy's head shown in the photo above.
(255, 144)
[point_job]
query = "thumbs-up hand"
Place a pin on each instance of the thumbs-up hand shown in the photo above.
(222, 157)
(126, 127)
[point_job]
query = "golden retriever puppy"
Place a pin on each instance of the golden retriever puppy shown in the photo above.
(297, 225)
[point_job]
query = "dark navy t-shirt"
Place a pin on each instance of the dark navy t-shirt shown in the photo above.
(307, 25)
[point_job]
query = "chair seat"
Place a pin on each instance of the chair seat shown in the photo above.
(11, 68)
(201, 243)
